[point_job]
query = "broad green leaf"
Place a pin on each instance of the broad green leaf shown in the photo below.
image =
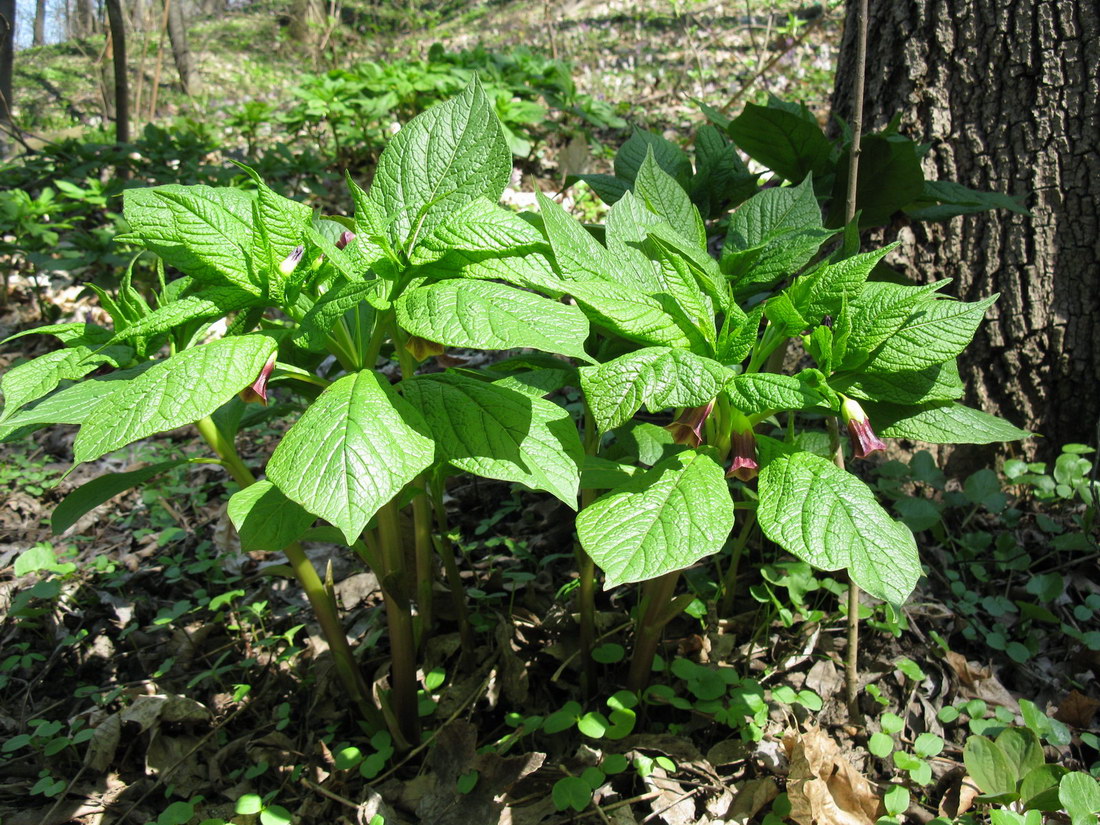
(538, 383)
(1039, 787)
(70, 334)
(495, 432)
(481, 227)
(655, 377)
(739, 335)
(989, 766)
(203, 232)
(771, 236)
(936, 332)
(312, 332)
(721, 178)
(70, 404)
(825, 289)
(642, 442)
(279, 226)
(638, 317)
(353, 449)
(766, 392)
(33, 379)
(95, 492)
(1080, 794)
(444, 158)
(530, 270)
(179, 390)
(669, 156)
(265, 519)
(579, 256)
(664, 519)
(791, 146)
(680, 281)
(890, 178)
(879, 311)
(708, 274)
(941, 423)
(667, 198)
(609, 188)
(943, 199)
(938, 383)
(829, 518)
(784, 316)
(604, 474)
(492, 316)
(205, 304)
(1022, 748)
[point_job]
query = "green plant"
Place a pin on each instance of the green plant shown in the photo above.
(429, 260)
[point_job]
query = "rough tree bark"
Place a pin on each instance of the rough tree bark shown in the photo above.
(1008, 94)
(181, 52)
(7, 60)
(118, 57)
(39, 23)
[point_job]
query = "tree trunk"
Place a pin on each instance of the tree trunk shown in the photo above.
(86, 17)
(118, 57)
(1008, 95)
(39, 23)
(7, 59)
(181, 53)
(307, 19)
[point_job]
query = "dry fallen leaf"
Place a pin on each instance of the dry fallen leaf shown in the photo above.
(751, 798)
(959, 797)
(1077, 710)
(980, 683)
(823, 787)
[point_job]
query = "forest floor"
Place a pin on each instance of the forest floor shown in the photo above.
(152, 672)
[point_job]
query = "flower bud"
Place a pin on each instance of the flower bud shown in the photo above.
(688, 428)
(257, 391)
(743, 448)
(863, 438)
(292, 260)
(421, 348)
(345, 238)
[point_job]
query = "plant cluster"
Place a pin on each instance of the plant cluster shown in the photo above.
(341, 316)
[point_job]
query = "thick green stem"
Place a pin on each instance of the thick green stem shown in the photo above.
(653, 615)
(729, 581)
(851, 654)
(450, 567)
(586, 593)
(425, 570)
(394, 583)
(321, 602)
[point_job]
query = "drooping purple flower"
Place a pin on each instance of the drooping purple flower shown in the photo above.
(743, 449)
(863, 438)
(257, 390)
(291, 261)
(688, 427)
(345, 238)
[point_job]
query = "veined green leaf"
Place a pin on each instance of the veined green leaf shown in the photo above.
(495, 432)
(655, 377)
(791, 146)
(937, 383)
(669, 156)
(316, 324)
(720, 176)
(879, 311)
(579, 256)
(538, 383)
(829, 518)
(70, 404)
(279, 225)
(440, 161)
(481, 228)
(93, 493)
(177, 391)
(609, 188)
(764, 392)
(492, 316)
(352, 451)
(530, 270)
(937, 331)
(664, 519)
(637, 316)
(890, 178)
(204, 232)
(941, 423)
(206, 304)
(822, 291)
(667, 198)
(33, 379)
(266, 519)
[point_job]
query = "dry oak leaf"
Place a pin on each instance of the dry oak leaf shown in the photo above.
(1077, 709)
(823, 787)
